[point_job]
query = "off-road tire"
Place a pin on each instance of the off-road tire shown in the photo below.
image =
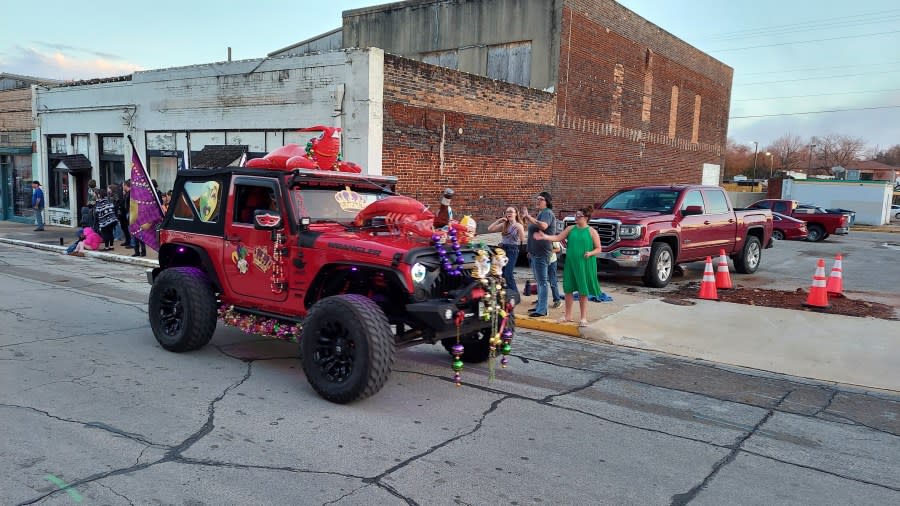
(182, 309)
(778, 235)
(751, 256)
(475, 350)
(656, 275)
(347, 348)
(815, 233)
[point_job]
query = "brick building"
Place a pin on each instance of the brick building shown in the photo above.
(611, 99)
(15, 146)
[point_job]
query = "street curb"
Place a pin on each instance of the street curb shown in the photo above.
(109, 257)
(527, 322)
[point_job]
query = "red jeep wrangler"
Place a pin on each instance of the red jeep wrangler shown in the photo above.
(329, 255)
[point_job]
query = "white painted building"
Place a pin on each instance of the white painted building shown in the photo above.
(174, 113)
(870, 199)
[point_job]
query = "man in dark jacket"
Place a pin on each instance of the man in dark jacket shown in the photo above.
(123, 205)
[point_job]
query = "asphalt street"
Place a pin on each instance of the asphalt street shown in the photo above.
(95, 412)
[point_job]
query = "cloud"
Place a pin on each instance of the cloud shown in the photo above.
(63, 48)
(62, 64)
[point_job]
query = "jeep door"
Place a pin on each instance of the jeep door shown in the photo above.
(249, 259)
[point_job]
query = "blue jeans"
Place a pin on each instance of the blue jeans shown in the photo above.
(512, 254)
(539, 268)
(38, 218)
(554, 286)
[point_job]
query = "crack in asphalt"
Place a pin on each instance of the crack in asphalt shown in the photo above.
(91, 425)
(849, 420)
(378, 478)
(548, 399)
(834, 393)
(824, 471)
(71, 336)
(687, 497)
(107, 487)
(73, 380)
(173, 453)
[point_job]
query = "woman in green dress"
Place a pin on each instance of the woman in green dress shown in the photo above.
(580, 271)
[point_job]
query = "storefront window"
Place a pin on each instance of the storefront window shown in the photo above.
(112, 160)
(163, 170)
(57, 188)
(22, 186)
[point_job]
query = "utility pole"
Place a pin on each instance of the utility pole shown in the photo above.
(809, 163)
(755, 152)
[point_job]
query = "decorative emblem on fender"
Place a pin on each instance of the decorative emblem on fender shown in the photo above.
(261, 259)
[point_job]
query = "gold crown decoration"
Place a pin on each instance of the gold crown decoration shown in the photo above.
(349, 200)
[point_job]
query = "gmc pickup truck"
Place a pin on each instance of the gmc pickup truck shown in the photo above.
(820, 224)
(648, 230)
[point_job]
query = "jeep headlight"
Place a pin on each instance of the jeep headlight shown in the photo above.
(629, 231)
(418, 272)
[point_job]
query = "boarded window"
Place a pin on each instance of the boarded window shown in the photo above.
(448, 59)
(510, 63)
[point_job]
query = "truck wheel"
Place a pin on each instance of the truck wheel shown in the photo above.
(659, 269)
(347, 348)
(778, 235)
(182, 309)
(748, 261)
(815, 233)
(477, 347)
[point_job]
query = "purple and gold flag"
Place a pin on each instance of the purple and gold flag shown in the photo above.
(145, 213)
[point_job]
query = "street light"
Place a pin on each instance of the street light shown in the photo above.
(770, 163)
(755, 151)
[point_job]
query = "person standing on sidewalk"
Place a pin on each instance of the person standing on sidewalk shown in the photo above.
(552, 270)
(580, 273)
(124, 204)
(512, 232)
(37, 203)
(539, 250)
(106, 219)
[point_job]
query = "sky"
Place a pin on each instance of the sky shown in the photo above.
(792, 59)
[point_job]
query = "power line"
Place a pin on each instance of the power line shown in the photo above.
(804, 69)
(815, 95)
(804, 41)
(811, 22)
(817, 27)
(814, 112)
(817, 77)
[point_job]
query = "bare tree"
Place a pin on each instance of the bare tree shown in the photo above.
(787, 151)
(738, 159)
(889, 157)
(835, 149)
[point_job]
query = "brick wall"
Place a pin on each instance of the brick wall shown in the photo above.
(488, 140)
(617, 120)
(15, 110)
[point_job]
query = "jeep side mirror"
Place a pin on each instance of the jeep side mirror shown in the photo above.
(264, 219)
(692, 210)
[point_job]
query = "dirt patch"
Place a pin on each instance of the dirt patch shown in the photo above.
(789, 300)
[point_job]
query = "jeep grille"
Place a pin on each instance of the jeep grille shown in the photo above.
(445, 283)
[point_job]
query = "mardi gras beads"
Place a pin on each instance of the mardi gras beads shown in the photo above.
(453, 270)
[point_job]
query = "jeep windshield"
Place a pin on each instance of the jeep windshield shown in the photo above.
(647, 199)
(333, 202)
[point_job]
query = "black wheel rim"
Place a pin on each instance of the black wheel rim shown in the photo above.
(335, 352)
(171, 312)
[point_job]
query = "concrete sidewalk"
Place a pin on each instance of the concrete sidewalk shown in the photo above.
(844, 349)
(57, 239)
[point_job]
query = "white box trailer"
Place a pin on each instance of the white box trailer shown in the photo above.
(870, 199)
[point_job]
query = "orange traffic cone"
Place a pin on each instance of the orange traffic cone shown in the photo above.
(818, 296)
(723, 278)
(835, 286)
(708, 285)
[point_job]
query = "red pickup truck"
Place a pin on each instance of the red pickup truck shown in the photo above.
(648, 230)
(819, 223)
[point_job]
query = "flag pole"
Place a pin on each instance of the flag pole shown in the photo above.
(146, 175)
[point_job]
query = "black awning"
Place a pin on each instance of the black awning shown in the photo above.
(74, 164)
(217, 155)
